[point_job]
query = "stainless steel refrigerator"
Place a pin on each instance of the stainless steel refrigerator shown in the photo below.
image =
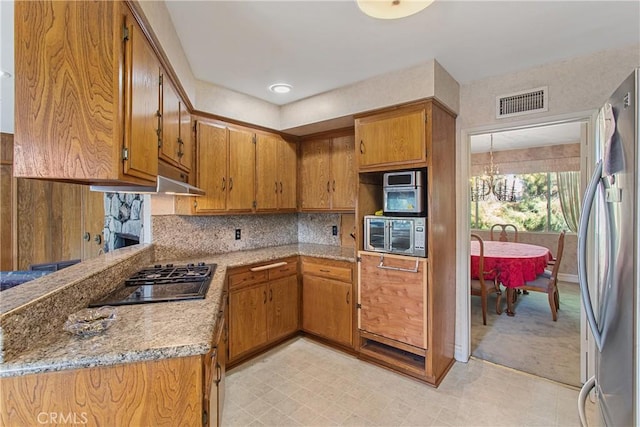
(611, 203)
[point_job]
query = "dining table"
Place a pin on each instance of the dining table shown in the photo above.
(512, 263)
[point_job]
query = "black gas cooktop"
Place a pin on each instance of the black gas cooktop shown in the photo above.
(162, 283)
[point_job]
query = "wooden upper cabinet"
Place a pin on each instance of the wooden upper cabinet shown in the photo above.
(287, 175)
(391, 138)
(176, 146)
(275, 173)
(343, 173)
(73, 82)
(315, 174)
(327, 174)
(186, 139)
(170, 149)
(211, 168)
(242, 170)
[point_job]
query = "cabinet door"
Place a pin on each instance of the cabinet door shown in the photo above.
(212, 167)
(391, 139)
(327, 308)
(393, 301)
(92, 223)
(247, 319)
(185, 139)
(142, 105)
(343, 171)
(287, 172)
(315, 175)
(267, 165)
(283, 307)
(242, 162)
(170, 149)
(67, 90)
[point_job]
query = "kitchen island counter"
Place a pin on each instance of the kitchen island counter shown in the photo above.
(154, 331)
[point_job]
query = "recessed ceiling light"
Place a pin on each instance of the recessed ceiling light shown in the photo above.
(4, 74)
(280, 88)
(392, 9)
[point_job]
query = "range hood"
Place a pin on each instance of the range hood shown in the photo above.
(163, 185)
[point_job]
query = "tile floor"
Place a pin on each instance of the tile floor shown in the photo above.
(303, 383)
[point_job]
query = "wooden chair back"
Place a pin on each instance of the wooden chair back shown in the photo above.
(480, 258)
(504, 235)
(556, 265)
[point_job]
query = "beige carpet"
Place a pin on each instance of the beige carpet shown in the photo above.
(531, 341)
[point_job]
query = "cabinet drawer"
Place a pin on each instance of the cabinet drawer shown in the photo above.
(245, 278)
(289, 269)
(328, 271)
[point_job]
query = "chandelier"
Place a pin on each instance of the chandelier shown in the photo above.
(493, 186)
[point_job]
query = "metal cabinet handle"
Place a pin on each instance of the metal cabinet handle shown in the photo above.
(180, 143)
(361, 147)
(87, 236)
(230, 183)
(270, 294)
(280, 187)
(334, 185)
(265, 297)
(276, 186)
(325, 271)
(218, 373)
(328, 187)
(224, 183)
(268, 266)
(348, 292)
(97, 238)
(408, 270)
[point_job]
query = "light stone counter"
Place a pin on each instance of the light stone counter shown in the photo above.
(155, 331)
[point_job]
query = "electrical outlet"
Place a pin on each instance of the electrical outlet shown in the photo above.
(238, 234)
(334, 230)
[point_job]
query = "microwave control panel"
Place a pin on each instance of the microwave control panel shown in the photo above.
(420, 234)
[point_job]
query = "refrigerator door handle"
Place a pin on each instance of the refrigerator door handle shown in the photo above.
(582, 399)
(592, 188)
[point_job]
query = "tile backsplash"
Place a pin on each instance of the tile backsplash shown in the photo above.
(177, 236)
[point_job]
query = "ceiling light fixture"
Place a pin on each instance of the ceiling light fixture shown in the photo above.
(392, 9)
(280, 88)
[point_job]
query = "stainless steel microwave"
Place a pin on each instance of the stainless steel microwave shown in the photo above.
(404, 193)
(396, 235)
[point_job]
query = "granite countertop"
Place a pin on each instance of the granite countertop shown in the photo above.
(156, 331)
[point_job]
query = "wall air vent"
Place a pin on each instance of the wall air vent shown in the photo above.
(524, 102)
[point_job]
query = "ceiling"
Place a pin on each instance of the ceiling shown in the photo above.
(317, 46)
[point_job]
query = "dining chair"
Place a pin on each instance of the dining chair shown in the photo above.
(548, 281)
(481, 287)
(504, 234)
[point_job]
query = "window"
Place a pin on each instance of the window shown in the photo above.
(537, 207)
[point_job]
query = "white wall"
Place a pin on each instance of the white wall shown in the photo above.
(158, 16)
(577, 87)
(388, 89)
(6, 64)
(235, 105)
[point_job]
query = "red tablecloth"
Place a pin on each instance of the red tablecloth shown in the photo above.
(515, 263)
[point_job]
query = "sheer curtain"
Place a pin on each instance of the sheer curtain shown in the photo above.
(569, 193)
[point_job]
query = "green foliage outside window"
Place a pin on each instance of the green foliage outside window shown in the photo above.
(538, 209)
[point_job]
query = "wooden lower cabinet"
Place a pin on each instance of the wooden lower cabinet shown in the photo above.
(164, 392)
(399, 324)
(214, 365)
(327, 299)
(263, 305)
(392, 298)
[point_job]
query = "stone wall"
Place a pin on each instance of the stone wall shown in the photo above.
(123, 214)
